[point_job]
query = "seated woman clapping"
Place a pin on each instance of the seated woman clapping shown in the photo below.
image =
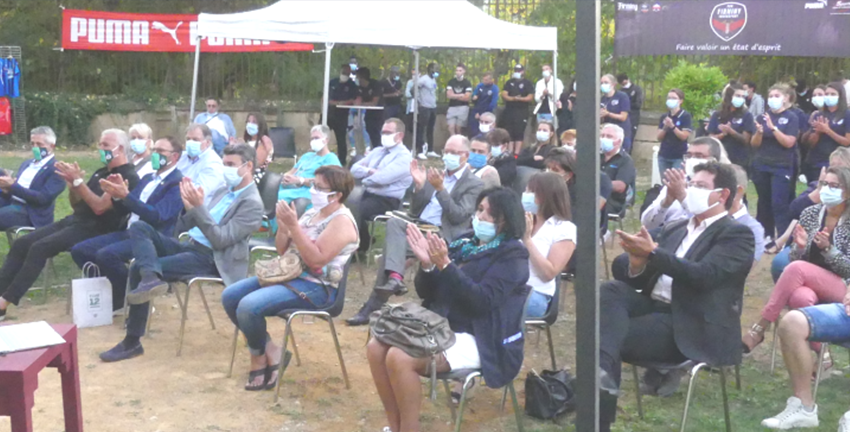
(324, 237)
(478, 283)
(820, 257)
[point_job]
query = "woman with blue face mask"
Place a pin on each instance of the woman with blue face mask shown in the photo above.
(774, 161)
(829, 129)
(141, 142)
(478, 283)
(549, 236)
(501, 157)
(674, 128)
(257, 136)
(734, 125)
(545, 140)
(479, 160)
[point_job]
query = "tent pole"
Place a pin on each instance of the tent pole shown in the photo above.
(555, 88)
(195, 80)
(415, 101)
(328, 47)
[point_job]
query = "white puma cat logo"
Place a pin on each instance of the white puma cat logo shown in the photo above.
(160, 26)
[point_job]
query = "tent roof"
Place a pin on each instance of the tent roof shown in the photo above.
(412, 23)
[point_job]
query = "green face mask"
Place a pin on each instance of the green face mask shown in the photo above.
(105, 156)
(156, 161)
(39, 153)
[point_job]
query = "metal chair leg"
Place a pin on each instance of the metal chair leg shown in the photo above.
(551, 346)
(206, 306)
(738, 377)
(463, 401)
(725, 400)
(504, 399)
(773, 348)
(517, 411)
(339, 353)
(282, 356)
(294, 344)
(183, 317)
(605, 259)
(823, 348)
(233, 352)
(449, 399)
(46, 275)
(691, 382)
(150, 315)
(637, 391)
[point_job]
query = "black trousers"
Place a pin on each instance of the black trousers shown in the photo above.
(338, 122)
(372, 205)
(29, 254)
(425, 128)
(374, 123)
(634, 328)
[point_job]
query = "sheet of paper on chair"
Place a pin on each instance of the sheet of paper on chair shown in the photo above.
(22, 337)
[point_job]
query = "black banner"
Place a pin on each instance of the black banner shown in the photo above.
(803, 28)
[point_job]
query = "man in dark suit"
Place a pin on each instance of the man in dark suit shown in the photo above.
(29, 199)
(681, 298)
(156, 200)
(445, 199)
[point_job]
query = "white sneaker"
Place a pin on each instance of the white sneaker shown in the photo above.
(801, 179)
(353, 152)
(844, 423)
(386, 429)
(422, 156)
(432, 154)
(794, 416)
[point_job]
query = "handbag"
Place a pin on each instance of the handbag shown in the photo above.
(417, 331)
(280, 269)
(549, 394)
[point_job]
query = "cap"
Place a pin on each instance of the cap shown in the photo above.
(518, 67)
(394, 69)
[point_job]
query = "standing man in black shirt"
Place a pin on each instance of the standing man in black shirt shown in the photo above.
(518, 94)
(94, 215)
(391, 88)
(369, 94)
(459, 93)
(635, 93)
(341, 91)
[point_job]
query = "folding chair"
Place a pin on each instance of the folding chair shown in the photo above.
(546, 321)
(823, 350)
(12, 234)
(694, 369)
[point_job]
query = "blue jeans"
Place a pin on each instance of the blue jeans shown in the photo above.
(827, 323)
(248, 304)
(538, 304)
(774, 186)
(171, 260)
(13, 215)
(780, 261)
(664, 164)
(110, 252)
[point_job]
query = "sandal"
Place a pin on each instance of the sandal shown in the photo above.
(270, 369)
(469, 392)
(753, 338)
(254, 375)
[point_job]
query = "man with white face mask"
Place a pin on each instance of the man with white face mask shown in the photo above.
(385, 174)
(680, 291)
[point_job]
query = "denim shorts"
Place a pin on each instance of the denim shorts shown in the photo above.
(828, 323)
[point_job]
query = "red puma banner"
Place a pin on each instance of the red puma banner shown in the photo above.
(118, 31)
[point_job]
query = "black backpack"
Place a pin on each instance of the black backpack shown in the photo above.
(651, 196)
(549, 394)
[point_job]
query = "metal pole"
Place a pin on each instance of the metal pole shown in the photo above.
(555, 89)
(329, 46)
(415, 101)
(195, 80)
(587, 216)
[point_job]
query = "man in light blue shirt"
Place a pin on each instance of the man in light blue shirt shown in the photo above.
(385, 174)
(201, 164)
(219, 123)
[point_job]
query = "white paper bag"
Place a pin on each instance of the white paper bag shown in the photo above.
(92, 302)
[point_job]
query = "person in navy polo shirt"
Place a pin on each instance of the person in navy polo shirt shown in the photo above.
(829, 129)
(391, 92)
(733, 125)
(485, 97)
(673, 132)
(615, 108)
(517, 94)
(775, 144)
(342, 91)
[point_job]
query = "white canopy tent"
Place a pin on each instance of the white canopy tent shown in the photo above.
(409, 23)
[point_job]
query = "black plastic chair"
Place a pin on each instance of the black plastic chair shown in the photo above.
(269, 187)
(283, 141)
(547, 320)
(12, 234)
(328, 314)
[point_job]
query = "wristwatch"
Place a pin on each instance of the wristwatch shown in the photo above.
(77, 182)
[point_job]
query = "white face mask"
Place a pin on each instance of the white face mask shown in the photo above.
(319, 198)
(317, 144)
(547, 74)
(691, 163)
(388, 141)
(696, 200)
(484, 127)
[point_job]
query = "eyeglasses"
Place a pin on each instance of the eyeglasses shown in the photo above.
(700, 185)
(833, 185)
(696, 156)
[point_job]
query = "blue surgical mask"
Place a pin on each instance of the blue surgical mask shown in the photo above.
(496, 151)
(831, 197)
(605, 87)
(436, 75)
(542, 136)
(396, 78)
(516, 75)
(452, 161)
(193, 148)
(138, 146)
(252, 128)
(353, 67)
(528, 202)
(232, 177)
(830, 101)
(775, 103)
(484, 231)
(477, 160)
(606, 144)
(672, 103)
(819, 101)
(738, 101)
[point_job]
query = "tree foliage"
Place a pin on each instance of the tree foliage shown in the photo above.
(700, 83)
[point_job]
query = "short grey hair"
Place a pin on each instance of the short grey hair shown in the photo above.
(48, 133)
(120, 135)
(324, 130)
(611, 78)
(715, 148)
(205, 130)
(488, 116)
(244, 151)
(618, 131)
(741, 176)
(143, 129)
(464, 141)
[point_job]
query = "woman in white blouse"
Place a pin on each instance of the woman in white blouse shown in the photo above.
(549, 236)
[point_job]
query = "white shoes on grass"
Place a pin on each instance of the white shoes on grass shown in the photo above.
(796, 416)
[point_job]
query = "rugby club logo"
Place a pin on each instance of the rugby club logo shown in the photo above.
(728, 19)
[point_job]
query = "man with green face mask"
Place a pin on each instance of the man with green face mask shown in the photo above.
(94, 215)
(29, 199)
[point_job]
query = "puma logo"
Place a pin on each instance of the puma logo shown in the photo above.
(160, 26)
